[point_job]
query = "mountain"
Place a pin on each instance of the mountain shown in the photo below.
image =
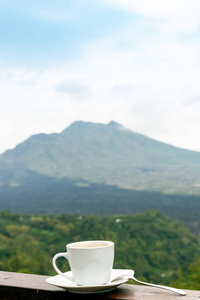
(108, 154)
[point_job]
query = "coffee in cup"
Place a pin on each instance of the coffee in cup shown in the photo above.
(91, 262)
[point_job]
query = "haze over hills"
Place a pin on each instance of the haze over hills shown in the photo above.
(100, 169)
(109, 154)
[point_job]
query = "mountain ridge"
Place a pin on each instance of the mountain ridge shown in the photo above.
(104, 153)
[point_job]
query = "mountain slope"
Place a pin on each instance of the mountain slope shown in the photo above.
(108, 154)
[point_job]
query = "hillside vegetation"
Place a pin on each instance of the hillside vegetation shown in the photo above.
(42, 195)
(159, 249)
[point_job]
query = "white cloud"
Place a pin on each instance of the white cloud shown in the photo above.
(144, 94)
(176, 15)
(75, 88)
(145, 77)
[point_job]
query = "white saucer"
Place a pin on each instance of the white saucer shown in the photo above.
(71, 286)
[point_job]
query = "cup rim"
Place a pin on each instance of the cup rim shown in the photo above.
(73, 245)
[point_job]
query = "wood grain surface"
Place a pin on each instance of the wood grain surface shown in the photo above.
(33, 287)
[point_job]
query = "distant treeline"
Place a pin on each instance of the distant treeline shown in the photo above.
(44, 195)
(159, 249)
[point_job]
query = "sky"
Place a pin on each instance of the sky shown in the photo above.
(136, 62)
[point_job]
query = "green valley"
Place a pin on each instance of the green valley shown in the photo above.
(158, 248)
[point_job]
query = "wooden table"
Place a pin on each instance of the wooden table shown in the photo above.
(33, 287)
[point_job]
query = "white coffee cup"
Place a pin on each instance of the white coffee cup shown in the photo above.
(91, 262)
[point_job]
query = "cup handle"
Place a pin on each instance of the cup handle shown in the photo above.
(64, 254)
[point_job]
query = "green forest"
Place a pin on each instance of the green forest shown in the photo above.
(159, 249)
